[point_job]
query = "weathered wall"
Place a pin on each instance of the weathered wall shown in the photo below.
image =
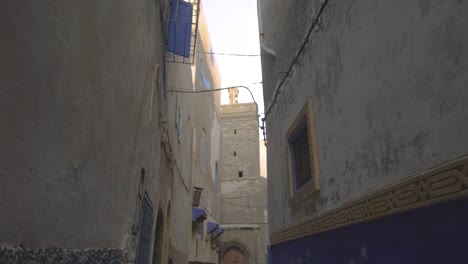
(250, 239)
(180, 130)
(206, 141)
(206, 118)
(388, 81)
(78, 120)
(243, 119)
(243, 199)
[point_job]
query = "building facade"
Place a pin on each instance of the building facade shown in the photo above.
(207, 149)
(243, 191)
(366, 130)
(100, 155)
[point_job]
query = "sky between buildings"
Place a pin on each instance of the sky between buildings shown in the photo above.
(233, 27)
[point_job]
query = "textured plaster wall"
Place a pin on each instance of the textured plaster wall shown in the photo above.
(79, 118)
(388, 81)
(204, 116)
(180, 76)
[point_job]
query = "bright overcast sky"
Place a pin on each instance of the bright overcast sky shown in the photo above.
(233, 28)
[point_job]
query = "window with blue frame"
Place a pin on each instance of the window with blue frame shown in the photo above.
(180, 28)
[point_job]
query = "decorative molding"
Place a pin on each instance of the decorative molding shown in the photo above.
(297, 197)
(443, 183)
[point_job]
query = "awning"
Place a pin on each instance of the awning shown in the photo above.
(198, 214)
(219, 231)
(212, 227)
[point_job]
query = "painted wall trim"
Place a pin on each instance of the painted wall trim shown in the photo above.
(447, 182)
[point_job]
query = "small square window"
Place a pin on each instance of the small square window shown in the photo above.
(241, 174)
(302, 158)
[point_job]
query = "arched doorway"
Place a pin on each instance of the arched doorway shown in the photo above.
(234, 255)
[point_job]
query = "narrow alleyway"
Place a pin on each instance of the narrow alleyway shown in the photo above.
(112, 131)
(233, 132)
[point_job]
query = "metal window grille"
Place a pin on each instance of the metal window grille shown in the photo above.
(182, 31)
(302, 167)
(145, 232)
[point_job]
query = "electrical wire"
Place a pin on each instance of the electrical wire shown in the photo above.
(295, 60)
(208, 212)
(214, 90)
(235, 197)
(239, 205)
(229, 54)
(262, 127)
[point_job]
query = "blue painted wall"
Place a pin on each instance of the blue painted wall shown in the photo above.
(437, 234)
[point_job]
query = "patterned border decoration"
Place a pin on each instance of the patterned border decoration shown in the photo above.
(443, 183)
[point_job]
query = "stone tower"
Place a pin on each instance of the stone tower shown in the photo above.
(233, 96)
(240, 139)
(243, 191)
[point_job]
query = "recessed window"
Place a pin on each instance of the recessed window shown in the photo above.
(300, 155)
(241, 174)
(235, 153)
(145, 232)
(302, 160)
(235, 131)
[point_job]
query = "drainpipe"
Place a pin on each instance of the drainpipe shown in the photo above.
(263, 46)
(260, 20)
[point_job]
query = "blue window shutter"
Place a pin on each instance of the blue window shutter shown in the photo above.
(180, 28)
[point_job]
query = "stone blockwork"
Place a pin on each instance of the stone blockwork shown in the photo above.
(243, 196)
(240, 141)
